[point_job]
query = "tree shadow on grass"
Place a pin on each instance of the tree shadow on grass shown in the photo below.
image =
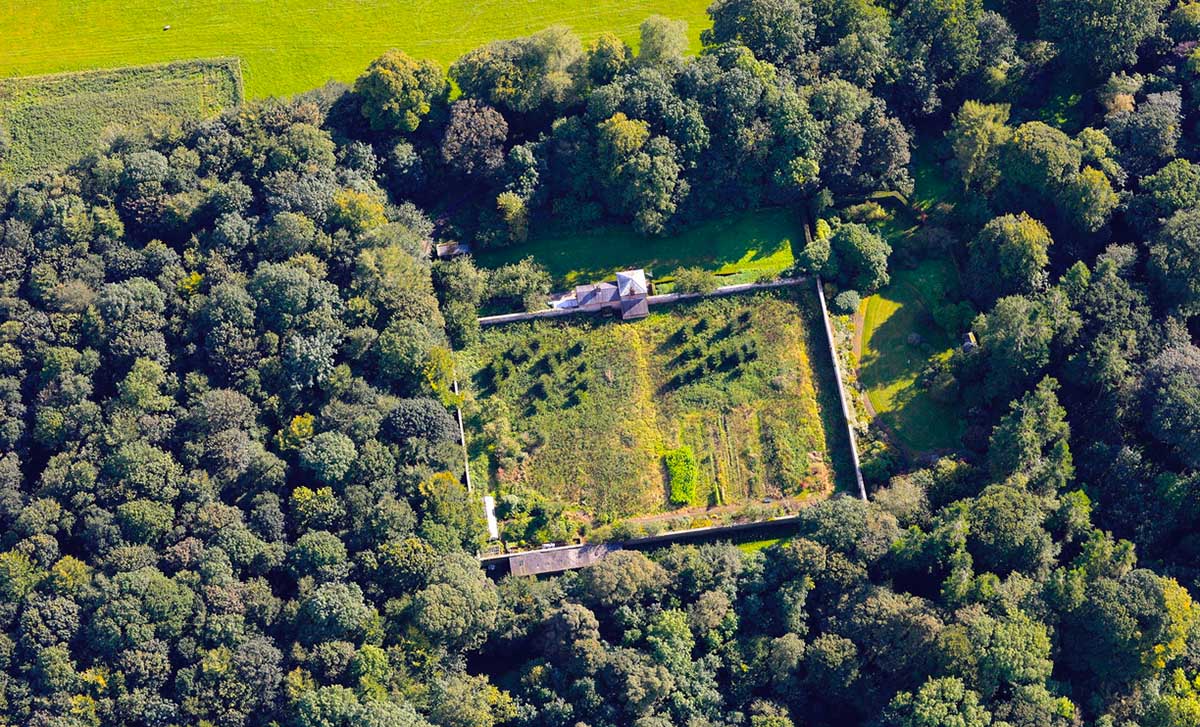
(576, 257)
(892, 364)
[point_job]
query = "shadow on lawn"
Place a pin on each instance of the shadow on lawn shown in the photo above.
(747, 242)
(889, 357)
(893, 364)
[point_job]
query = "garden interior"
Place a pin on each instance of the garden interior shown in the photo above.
(583, 420)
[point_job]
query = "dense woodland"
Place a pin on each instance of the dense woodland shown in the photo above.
(230, 486)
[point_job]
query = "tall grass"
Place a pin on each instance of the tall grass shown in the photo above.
(48, 122)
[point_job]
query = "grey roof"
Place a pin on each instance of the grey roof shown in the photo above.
(585, 294)
(606, 292)
(595, 293)
(634, 308)
(557, 560)
(632, 283)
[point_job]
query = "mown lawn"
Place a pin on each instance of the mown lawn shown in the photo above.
(288, 46)
(740, 248)
(50, 121)
(581, 410)
(890, 364)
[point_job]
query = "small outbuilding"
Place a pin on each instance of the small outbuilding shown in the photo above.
(632, 308)
(632, 283)
(557, 560)
(446, 250)
(596, 294)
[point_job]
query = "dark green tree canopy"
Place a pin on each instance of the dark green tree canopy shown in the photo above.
(232, 486)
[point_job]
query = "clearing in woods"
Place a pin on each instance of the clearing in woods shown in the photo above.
(891, 364)
(582, 411)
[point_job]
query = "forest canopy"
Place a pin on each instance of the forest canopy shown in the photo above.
(231, 486)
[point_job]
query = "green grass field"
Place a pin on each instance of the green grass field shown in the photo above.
(50, 121)
(890, 365)
(581, 410)
(289, 46)
(739, 248)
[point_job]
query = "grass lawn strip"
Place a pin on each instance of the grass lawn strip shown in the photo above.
(890, 365)
(740, 249)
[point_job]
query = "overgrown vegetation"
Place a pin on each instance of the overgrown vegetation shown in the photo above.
(580, 411)
(47, 122)
(681, 474)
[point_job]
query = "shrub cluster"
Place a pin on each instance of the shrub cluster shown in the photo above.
(682, 474)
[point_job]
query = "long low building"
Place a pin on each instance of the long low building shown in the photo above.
(556, 560)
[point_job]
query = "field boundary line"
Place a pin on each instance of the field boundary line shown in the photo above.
(645, 541)
(234, 63)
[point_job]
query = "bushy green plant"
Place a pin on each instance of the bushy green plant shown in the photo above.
(879, 461)
(954, 318)
(695, 280)
(681, 473)
(869, 211)
(847, 302)
(1184, 22)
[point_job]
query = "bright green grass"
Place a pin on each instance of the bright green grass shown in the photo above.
(288, 46)
(739, 248)
(756, 545)
(591, 405)
(890, 365)
(50, 121)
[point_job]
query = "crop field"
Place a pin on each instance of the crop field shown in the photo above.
(50, 121)
(289, 46)
(739, 248)
(588, 413)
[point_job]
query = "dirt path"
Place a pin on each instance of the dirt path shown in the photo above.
(857, 347)
(859, 325)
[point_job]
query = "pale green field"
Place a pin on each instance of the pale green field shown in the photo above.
(288, 46)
